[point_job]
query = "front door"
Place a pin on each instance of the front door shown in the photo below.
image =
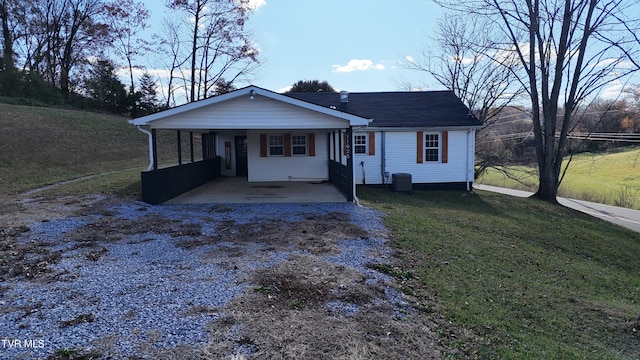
(242, 168)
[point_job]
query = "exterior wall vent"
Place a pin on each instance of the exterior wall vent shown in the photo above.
(344, 96)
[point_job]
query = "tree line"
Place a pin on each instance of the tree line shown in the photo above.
(72, 51)
(603, 125)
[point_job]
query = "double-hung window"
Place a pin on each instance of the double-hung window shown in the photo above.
(276, 145)
(431, 147)
(299, 145)
(360, 144)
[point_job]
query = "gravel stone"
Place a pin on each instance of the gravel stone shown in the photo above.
(144, 290)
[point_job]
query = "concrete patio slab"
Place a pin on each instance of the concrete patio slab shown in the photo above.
(239, 190)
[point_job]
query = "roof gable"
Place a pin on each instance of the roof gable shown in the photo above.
(253, 91)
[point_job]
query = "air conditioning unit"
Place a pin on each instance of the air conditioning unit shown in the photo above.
(402, 182)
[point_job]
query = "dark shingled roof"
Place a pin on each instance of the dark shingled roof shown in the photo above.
(399, 109)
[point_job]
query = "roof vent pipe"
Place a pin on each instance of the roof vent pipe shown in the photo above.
(344, 96)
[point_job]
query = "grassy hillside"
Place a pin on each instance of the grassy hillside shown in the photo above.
(41, 146)
(606, 178)
(529, 279)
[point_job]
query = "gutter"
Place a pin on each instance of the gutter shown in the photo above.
(413, 129)
(150, 146)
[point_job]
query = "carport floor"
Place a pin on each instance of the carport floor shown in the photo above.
(239, 190)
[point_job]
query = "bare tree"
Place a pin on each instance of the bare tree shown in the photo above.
(13, 24)
(129, 18)
(62, 35)
(467, 62)
(7, 37)
(566, 52)
(82, 32)
(170, 44)
(219, 45)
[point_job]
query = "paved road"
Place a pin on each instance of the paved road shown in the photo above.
(618, 215)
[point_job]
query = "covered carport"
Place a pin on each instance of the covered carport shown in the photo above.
(269, 141)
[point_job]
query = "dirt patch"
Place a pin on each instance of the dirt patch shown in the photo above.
(308, 308)
(17, 211)
(31, 259)
(82, 318)
(18, 259)
(306, 281)
(110, 229)
(317, 234)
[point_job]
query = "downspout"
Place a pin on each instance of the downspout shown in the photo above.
(467, 166)
(355, 197)
(383, 156)
(150, 146)
(350, 163)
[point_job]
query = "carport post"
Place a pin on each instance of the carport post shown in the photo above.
(154, 147)
(179, 148)
(191, 143)
(340, 146)
(349, 155)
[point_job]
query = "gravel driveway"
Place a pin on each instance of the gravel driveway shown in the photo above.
(114, 278)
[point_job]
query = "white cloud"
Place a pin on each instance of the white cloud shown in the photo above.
(357, 65)
(410, 59)
(283, 90)
(255, 4)
(605, 62)
(466, 60)
(612, 91)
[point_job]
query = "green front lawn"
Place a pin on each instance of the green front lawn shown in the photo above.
(530, 280)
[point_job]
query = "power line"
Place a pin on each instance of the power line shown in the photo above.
(497, 122)
(613, 137)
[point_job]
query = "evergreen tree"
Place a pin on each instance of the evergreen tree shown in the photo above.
(222, 86)
(105, 89)
(147, 101)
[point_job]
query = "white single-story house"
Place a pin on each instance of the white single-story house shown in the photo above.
(343, 138)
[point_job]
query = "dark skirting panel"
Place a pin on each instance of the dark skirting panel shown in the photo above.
(449, 186)
(163, 184)
(339, 177)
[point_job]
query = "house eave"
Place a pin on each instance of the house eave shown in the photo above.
(232, 127)
(422, 128)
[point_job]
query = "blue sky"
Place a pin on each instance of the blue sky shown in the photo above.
(356, 45)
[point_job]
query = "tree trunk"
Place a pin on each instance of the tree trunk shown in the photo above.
(7, 56)
(194, 49)
(548, 179)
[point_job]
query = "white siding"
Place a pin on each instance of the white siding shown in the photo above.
(293, 168)
(372, 163)
(401, 148)
(244, 113)
(400, 156)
